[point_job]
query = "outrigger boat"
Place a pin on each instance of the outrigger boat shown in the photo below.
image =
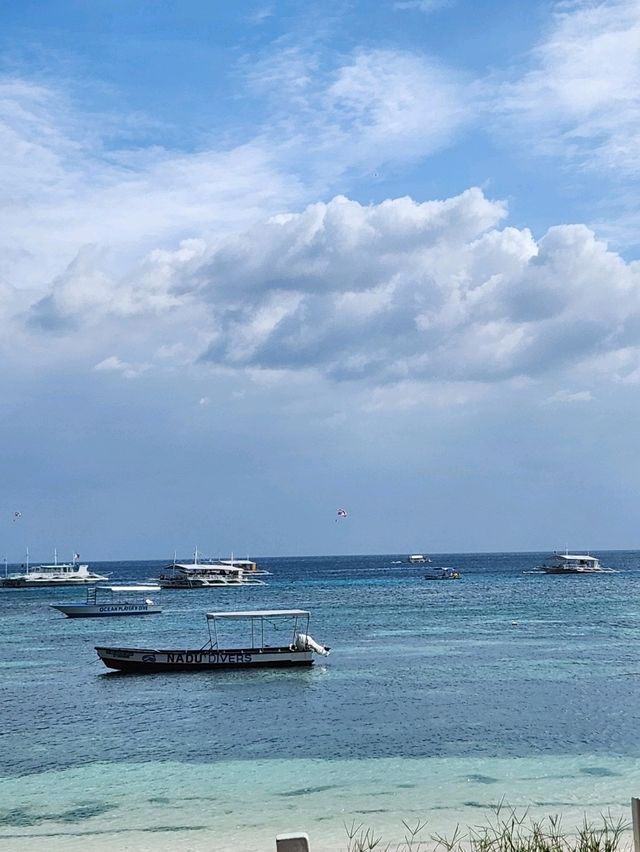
(203, 575)
(213, 655)
(105, 601)
(56, 574)
(572, 563)
(443, 574)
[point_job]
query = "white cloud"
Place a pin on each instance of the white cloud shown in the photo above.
(581, 99)
(417, 292)
(113, 364)
(63, 188)
(66, 187)
(564, 396)
(185, 256)
(84, 292)
(377, 106)
(426, 6)
(393, 294)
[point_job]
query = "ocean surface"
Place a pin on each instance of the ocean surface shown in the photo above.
(439, 700)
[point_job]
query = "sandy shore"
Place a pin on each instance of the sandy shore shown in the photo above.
(240, 806)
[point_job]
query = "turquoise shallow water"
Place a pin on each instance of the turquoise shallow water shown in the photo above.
(438, 701)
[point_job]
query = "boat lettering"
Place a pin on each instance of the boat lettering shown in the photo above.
(121, 608)
(222, 657)
(213, 657)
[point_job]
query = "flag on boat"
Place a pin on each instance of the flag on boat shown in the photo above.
(76, 556)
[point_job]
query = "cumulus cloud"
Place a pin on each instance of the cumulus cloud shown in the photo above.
(85, 294)
(395, 293)
(403, 291)
(581, 98)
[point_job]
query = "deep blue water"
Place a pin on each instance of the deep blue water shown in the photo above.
(417, 668)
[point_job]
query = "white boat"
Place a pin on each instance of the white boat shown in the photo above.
(418, 559)
(107, 601)
(57, 574)
(572, 563)
(208, 574)
(257, 651)
(247, 565)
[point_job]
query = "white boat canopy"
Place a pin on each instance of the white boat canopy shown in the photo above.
(262, 613)
(576, 556)
(147, 588)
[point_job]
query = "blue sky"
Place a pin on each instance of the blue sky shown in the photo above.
(266, 260)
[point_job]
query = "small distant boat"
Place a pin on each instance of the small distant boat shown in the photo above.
(256, 652)
(209, 573)
(443, 574)
(572, 563)
(108, 601)
(418, 559)
(56, 574)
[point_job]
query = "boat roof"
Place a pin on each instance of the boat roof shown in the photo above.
(260, 613)
(148, 588)
(575, 556)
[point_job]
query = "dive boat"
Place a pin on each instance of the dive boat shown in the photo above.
(442, 574)
(259, 650)
(571, 563)
(103, 601)
(56, 574)
(417, 559)
(201, 575)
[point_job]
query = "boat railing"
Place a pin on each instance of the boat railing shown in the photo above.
(257, 620)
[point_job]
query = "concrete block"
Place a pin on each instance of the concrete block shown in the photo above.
(292, 842)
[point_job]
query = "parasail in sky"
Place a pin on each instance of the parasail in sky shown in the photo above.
(342, 513)
(17, 515)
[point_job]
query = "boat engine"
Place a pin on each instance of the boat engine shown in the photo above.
(306, 643)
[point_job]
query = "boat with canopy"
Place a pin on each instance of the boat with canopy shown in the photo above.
(103, 601)
(263, 643)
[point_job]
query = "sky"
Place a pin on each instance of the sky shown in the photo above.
(261, 261)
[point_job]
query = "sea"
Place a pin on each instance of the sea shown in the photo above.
(439, 702)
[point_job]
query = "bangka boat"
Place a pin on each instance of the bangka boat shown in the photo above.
(418, 559)
(56, 574)
(443, 574)
(201, 575)
(571, 563)
(107, 601)
(256, 652)
(247, 565)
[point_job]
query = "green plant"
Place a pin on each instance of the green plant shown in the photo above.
(505, 831)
